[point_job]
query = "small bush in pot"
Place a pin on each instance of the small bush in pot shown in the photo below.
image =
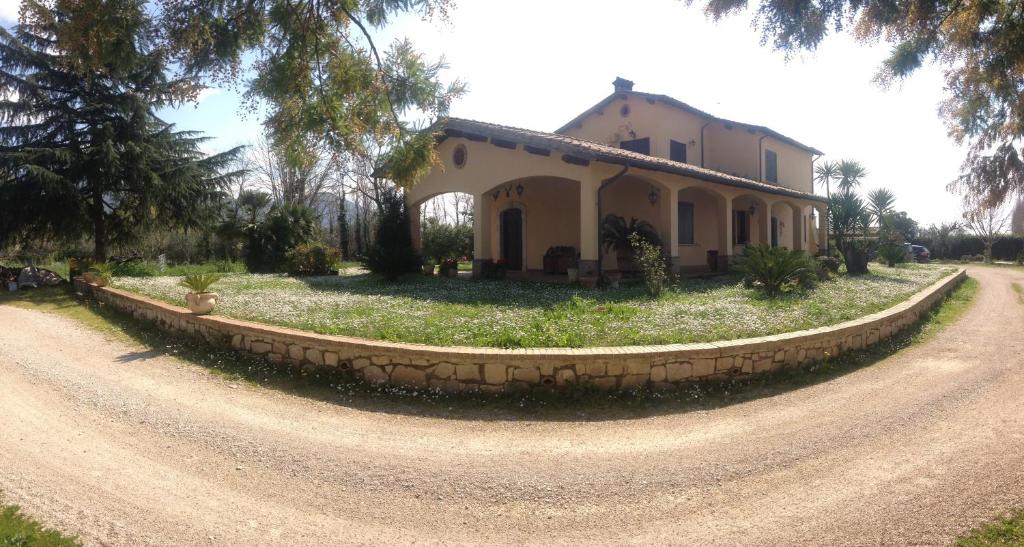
(200, 300)
(449, 267)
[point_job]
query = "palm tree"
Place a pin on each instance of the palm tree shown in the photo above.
(253, 202)
(880, 203)
(850, 174)
(825, 174)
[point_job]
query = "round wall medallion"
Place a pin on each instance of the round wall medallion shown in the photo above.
(624, 110)
(459, 156)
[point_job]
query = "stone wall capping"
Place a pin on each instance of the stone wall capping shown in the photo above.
(462, 368)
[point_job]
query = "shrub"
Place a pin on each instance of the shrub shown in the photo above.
(652, 264)
(392, 253)
(313, 259)
(1020, 258)
(199, 282)
(826, 267)
(616, 233)
(774, 269)
(442, 240)
(102, 271)
(891, 250)
(283, 229)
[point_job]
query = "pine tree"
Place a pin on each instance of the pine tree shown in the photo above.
(81, 148)
(343, 227)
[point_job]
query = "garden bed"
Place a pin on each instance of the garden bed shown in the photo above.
(512, 314)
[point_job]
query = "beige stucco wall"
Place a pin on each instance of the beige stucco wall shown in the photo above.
(461, 369)
(656, 121)
(708, 228)
(794, 165)
(551, 216)
(560, 202)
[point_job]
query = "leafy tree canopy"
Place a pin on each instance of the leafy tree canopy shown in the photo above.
(81, 148)
(319, 71)
(980, 44)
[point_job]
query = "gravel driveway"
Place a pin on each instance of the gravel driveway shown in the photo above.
(122, 446)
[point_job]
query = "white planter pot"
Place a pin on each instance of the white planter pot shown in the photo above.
(201, 303)
(574, 274)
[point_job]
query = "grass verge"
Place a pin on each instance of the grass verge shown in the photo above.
(1008, 530)
(581, 402)
(17, 530)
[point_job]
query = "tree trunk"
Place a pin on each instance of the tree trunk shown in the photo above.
(99, 226)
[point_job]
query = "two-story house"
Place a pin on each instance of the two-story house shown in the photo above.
(709, 185)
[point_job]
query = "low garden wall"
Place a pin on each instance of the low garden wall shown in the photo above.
(454, 369)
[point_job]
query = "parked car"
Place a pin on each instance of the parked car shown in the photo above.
(918, 253)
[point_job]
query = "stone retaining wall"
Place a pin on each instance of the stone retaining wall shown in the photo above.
(454, 369)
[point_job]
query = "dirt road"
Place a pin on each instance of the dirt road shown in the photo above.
(122, 446)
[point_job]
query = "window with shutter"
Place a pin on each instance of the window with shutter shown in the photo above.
(642, 146)
(685, 223)
(771, 166)
(677, 151)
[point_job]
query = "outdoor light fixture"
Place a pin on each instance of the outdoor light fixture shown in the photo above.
(519, 189)
(652, 196)
(753, 209)
(495, 194)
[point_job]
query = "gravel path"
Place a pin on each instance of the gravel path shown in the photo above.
(122, 446)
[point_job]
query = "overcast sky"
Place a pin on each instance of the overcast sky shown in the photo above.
(538, 63)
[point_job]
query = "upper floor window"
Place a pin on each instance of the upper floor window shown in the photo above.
(642, 146)
(685, 223)
(677, 151)
(771, 166)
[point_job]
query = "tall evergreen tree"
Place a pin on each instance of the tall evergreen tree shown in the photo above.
(81, 146)
(343, 227)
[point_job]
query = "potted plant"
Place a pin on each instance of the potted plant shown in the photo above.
(428, 266)
(450, 267)
(200, 300)
(99, 274)
(615, 232)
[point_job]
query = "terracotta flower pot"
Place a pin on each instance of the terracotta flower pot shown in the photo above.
(201, 303)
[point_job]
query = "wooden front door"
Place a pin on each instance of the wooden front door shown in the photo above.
(512, 239)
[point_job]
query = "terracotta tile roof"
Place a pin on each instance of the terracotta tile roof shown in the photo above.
(592, 151)
(685, 107)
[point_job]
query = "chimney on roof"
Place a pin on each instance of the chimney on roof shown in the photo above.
(621, 84)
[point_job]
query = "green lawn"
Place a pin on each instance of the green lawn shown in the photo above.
(1005, 531)
(17, 530)
(519, 314)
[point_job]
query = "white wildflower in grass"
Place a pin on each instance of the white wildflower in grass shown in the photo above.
(443, 311)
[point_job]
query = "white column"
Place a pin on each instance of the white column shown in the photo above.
(727, 247)
(589, 233)
(481, 231)
(672, 206)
